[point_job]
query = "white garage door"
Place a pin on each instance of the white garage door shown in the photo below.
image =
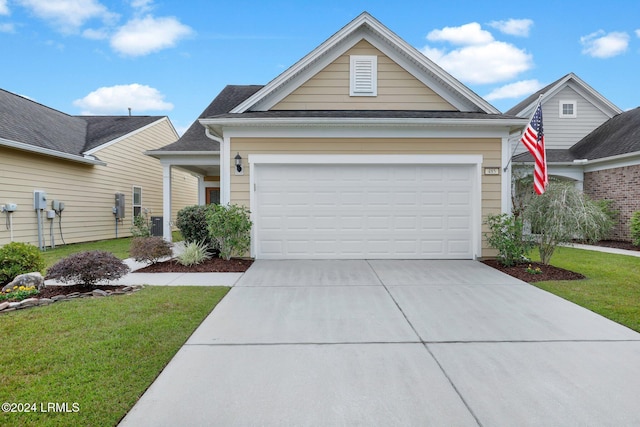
(363, 211)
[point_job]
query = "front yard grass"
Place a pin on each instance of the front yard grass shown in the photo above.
(612, 287)
(119, 247)
(101, 353)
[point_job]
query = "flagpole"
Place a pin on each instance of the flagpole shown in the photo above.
(516, 147)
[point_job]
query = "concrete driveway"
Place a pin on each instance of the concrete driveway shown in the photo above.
(341, 343)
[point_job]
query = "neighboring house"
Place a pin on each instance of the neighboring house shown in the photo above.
(362, 149)
(590, 142)
(81, 161)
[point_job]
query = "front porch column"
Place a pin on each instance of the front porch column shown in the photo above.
(166, 202)
(202, 198)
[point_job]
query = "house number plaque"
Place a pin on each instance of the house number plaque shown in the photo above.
(492, 171)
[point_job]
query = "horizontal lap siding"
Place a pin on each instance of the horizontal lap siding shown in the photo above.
(397, 89)
(88, 191)
(490, 149)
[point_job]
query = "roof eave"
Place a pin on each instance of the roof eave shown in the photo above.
(161, 154)
(51, 153)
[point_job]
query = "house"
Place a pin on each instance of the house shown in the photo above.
(571, 110)
(362, 149)
(59, 174)
(589, 141)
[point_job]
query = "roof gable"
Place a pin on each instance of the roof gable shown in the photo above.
(367, 28)
(397, 89)
(525, 107)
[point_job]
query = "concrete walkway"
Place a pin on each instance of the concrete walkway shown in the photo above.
(396, 343)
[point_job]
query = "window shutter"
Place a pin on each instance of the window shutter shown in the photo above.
(364, 70)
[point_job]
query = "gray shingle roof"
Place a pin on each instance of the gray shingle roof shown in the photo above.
(28, 122)
(553, 156)
(618, 135)
(194, 139)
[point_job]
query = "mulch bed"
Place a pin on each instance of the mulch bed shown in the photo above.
(549, 272)
(213, 265)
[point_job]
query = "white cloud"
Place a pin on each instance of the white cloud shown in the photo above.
(481, 59)
(4, 9)
(513, 27)
(143, 36)
(116, 100)
(142, 5)
(601, 45)
(481, 64)
(638, 33)
(95, 34)
(7, 28)
(514, 90)
(468, 34)
(68, 15)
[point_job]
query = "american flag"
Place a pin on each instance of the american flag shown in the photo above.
(533, 139)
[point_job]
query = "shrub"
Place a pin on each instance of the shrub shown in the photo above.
(19, 258)
(564, 213)
(229, 228)
(192, 223)
(141, 226)
(508, 238)
(635, 228)
(150, 249)
(88, 268)
(194, 253)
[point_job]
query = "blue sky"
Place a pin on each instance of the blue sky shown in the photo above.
(169, 57)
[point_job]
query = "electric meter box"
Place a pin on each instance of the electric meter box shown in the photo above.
(119, 208)
(39, 200)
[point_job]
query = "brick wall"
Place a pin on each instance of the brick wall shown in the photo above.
(622, 185)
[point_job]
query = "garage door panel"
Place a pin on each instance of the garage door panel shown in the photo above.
(363, 211)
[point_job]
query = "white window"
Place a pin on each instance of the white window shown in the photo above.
(364, 75)
(568, 109)
(137, 201)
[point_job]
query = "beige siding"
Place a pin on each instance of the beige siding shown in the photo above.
(490, 149)
(88, 191)
(397, 89)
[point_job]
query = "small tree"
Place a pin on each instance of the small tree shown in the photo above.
(229, 228)
(150, 249)
(192, 223)
(562, 214)
(88, 268)
(508, 238)
(635, 228)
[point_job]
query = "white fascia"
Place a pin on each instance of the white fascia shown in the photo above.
(87, 159)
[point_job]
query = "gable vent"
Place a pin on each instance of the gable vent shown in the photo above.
(364, 71)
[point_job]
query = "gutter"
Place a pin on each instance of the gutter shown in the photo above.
(86, 159)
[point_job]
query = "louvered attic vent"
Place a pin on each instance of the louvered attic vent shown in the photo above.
(364, 75)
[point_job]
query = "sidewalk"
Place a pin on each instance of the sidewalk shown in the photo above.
(604, 249)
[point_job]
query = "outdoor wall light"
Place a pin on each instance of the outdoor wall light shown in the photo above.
(238, 159)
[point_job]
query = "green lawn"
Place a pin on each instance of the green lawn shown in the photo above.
(119, 247)
(612, 287)
(100, 353)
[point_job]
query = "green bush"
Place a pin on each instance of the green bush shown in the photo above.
(19, 258)
(88, 268)
(562, 214)
(635, 228)
(150, 249)
(194, 253)
(141, 226)
(192, 223)
(508, 238)
(230, 229)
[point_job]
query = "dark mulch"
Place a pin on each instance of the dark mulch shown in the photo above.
(213, 265)
(616, 244)
(52, 291)
(549, 272)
